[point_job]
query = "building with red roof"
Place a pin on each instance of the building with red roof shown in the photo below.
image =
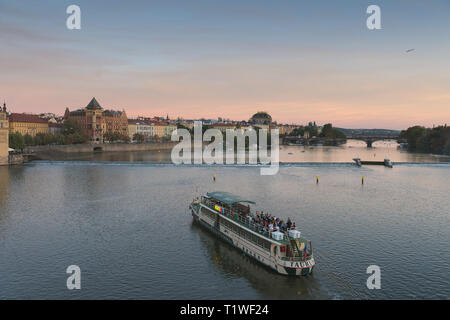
(97, 122)
(25, 123)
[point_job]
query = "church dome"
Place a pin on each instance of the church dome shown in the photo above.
(261, 117)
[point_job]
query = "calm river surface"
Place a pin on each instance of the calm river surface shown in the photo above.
(345, 153)
(127, 225)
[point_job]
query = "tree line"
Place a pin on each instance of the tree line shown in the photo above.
(71, 133)
(327, 131)
(428, 140)
(141, 138)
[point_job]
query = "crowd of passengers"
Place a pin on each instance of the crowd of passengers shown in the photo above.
(265, 222)
(268, 223)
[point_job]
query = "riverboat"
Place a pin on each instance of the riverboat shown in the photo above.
(231, 218)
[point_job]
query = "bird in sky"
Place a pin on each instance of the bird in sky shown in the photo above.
(409, 50)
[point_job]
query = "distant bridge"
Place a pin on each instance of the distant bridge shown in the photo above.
(313, 140)
(369, 140)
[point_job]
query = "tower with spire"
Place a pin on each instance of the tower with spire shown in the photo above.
(97, 122)
(4, 135)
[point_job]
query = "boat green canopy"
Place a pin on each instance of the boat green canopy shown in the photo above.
(227, 198)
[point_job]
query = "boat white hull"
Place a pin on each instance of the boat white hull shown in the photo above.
(260, 254)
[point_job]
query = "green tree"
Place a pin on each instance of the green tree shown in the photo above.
(28, 140)
(446, 150)
(412, 135)
(300, 131)
(107, 136)
(329, 132)
(71, 126)
(59, 138)
(78, 138)
(125, 138)
(139, 137)
(16, 141)
(74, 133)
(312, 130)
(427, 140)
(44, 139)
(115, 136)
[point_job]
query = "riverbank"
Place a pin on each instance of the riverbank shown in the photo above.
(159, 152)
(104, 147)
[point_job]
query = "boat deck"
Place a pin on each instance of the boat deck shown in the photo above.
(237, 217)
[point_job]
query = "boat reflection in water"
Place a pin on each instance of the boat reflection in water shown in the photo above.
(233, 263)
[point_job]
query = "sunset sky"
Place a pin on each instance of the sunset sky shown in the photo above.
(298, 60)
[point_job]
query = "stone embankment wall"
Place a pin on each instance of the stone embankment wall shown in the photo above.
(4, 160)
(16, 159)
(107, 147)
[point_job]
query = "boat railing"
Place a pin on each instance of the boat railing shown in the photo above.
(236, 216)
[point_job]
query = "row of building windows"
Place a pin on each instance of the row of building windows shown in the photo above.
(35, 125)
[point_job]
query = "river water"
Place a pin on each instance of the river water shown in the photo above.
(127, 226)
(345, 153)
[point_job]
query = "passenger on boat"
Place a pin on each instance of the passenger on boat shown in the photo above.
(265, 222)
(289, 223)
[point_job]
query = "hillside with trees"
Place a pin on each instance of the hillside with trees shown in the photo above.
(428, 140)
